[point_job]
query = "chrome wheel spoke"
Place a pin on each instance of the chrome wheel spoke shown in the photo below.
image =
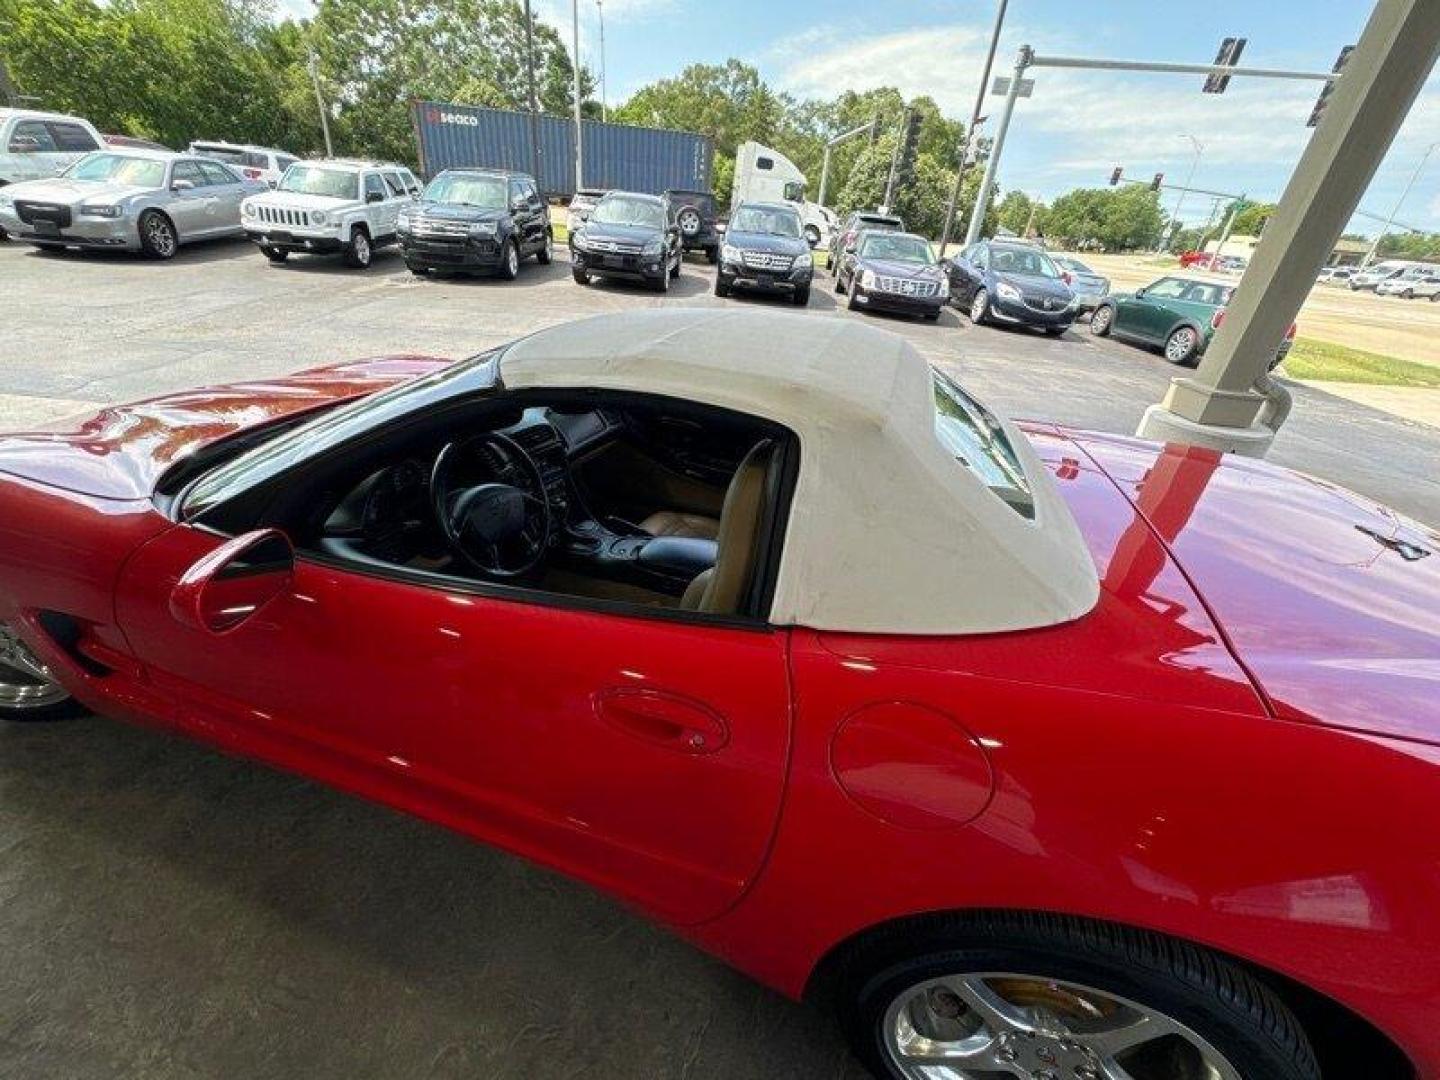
(994, 1011)
(25, 682)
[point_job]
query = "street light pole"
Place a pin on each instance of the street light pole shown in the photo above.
(1180, 202)
(1370, 255)
(974, 123)
(982, 197)
(604, 97)
(534, 97)
(575, 40)
(320, 104)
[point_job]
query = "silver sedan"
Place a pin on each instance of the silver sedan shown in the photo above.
(137, 200)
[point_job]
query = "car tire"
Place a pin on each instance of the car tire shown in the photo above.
(1182, 346)
(931, 316)
(662, 283)
(275, 255)
(358, 253)
(812, 236)
(1435, 297)
(675, 270)
(1408, 294)
(1102, 320)
(851, 301)
(905, 989)
(801, 297)
(712, 255)
(157, 235)
(27, 695)
(580, 276)
(839, 283)
(1055, 331)
(722, 287)
(980, 307)
(546, 255)
(418, 269)
(509, 262)
(689, 222)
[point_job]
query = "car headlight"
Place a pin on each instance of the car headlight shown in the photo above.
(317, 217)
(105, 210)
(730, 253)
(578, 240)
(867, 279)
(247, 209)
(1005, 291)
(7, 202)
(802, 261)
(483, 229)
(654, 247)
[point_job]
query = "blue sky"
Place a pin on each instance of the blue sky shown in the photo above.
(1079, 124)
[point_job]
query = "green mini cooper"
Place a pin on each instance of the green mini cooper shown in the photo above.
(1177, 314)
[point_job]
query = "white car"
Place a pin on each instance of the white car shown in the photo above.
(336, 207)
(38, 145)
(1417, 281)
(262, 163)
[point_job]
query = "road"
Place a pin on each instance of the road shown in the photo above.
(169, 912)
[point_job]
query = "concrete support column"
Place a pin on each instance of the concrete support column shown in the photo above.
(1217, 406)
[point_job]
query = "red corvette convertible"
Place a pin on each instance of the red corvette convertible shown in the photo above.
(1037, 753)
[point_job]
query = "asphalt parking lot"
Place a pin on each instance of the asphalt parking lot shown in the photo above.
(169, 912)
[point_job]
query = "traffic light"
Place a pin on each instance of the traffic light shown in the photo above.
(1229, 55)
(1155, 183)
(1115, 175)
(1329, 87)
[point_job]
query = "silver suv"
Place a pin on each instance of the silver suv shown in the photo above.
(337, 207)
(38, 145)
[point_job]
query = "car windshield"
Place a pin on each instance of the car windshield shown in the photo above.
(1028, 262)
(119, 169)
(1075, 266)
(759, 219)
(620, 210)
(485, 192)
(318, 180)
(896, 247)
(976, 439)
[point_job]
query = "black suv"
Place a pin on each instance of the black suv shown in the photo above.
(476, 220)
(765, 249)
(694, 214)
(629, 235)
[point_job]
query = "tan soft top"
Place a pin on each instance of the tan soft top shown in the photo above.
(888, 533)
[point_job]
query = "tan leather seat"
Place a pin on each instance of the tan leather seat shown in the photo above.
(675, 523)
(721, 589)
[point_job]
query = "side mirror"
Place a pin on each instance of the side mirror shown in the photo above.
(234, 581)
(183, 185)
(374, 196)
(270, 184)
(812, 239)
(1139, 294)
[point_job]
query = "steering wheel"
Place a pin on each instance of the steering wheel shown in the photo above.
(501, 527)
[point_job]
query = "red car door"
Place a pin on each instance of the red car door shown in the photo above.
(646, 755)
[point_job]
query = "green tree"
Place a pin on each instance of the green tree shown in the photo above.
(1015, 213)
(1410, 246)
(922, 201)
(1251, 219)
(380, 55)
(1115, 219)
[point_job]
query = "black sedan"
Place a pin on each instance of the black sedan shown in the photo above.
(629, 235)
(1011, 282)
(892, 271)
(765, 250)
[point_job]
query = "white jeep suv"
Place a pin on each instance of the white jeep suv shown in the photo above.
(334, 207)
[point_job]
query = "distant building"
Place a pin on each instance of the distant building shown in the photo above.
(1345, 252)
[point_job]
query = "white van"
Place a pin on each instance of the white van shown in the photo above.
(1374, 274)
(766, 175)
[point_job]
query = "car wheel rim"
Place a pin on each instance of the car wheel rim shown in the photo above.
(689, 223)
(159, 235)
(25, 682)
(362, 248)
(1181, 343)
(984, 1024)
(977, 306)
(1100, 321)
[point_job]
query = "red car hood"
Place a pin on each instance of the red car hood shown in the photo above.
(1330, 600)
(120, 451)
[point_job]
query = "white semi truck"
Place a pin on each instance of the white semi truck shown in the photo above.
(766, 175)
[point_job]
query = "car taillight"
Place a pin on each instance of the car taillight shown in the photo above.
(1217, 319)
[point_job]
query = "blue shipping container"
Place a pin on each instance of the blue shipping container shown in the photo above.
(616, 155)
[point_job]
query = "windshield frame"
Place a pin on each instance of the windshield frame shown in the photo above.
(70, 173)
(319, 167)
(614, 199)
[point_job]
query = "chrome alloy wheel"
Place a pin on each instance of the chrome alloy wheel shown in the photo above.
(689, 222)
(512, 260)
(978, 303)
(161, 236)
(1181, 345)
(25, 682)
(989, 1025)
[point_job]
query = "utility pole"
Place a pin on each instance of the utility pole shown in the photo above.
(1217, 405)
(1370, 255)
(534, 97)
(969, 140)
(320, 104)
(604, 98)
(1180, 202)
(579, 139)
(982, 197)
